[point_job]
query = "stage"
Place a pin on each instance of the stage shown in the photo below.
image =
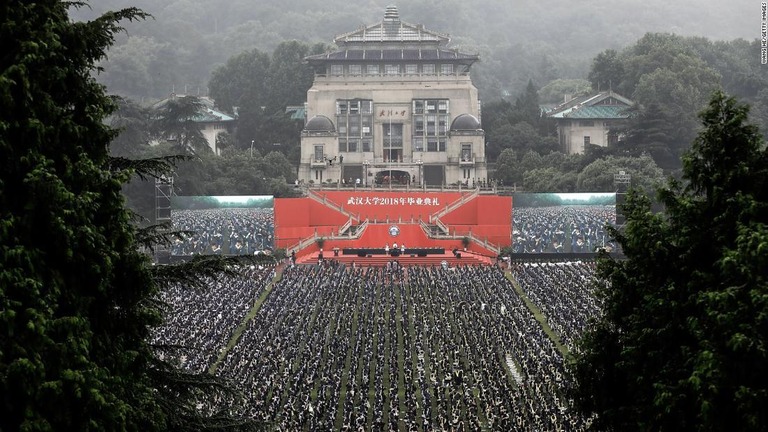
(360, 223)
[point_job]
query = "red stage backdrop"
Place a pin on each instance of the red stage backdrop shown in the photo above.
(487, 217)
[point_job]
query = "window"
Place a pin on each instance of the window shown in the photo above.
(392, 69)
(430, 124)
(367, 145)
(337, 70)
(372, 69)
(319, 154)
(355, 70)
(432, 144)
(393, 135)
(418, 107)
(418, 144)
(431, 121)
(442, 125)
(586, 140)
(466, 152)
(354, 118)
(428, 69)
(418, 125)
(411, 69)
(446, 69)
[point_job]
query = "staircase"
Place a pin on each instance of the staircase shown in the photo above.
(454, 205)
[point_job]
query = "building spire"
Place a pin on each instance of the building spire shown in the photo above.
(391, 14)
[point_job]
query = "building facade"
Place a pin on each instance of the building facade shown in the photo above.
(393, 105)
(594, 119)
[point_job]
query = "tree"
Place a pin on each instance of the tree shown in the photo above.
(77, 297)
(555, 91)
(176, 121)
(507, 168)
(133, 123)
(598, 176)
(73, 355)
(241, 82)
(682, 342)
(607, 71)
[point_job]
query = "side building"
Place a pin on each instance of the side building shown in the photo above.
(393, 105)
(594, 119)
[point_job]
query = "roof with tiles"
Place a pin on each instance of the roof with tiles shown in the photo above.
(211, 116)
(206, 114)
(604, 105)
(430, 54)
(393, 40)
(391, 29)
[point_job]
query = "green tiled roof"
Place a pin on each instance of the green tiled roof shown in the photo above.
(595, 112)
(604, 105)
(211, 115)
(296, 112)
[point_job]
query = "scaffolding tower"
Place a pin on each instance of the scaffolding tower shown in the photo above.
(163, 193)
(622, 181)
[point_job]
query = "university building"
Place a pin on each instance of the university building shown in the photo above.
(393, 104)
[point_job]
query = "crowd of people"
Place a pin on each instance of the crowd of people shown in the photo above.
(564, 291)
(558, 229)
(230, 231)
(199, 321)
(423, 348)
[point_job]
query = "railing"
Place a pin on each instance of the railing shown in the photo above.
(360, 229)
(484, 243)
(401, 76)
(425, 227)
(314, 163)
(456, 204)
(303, 243)
(442, 226)
(346, 226)
(323, 200)
(488, 190)
(313, 238)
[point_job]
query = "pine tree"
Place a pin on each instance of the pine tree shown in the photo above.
(73, 354)
(682, 344)
(76, 295)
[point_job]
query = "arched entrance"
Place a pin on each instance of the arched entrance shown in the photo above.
(395, 177)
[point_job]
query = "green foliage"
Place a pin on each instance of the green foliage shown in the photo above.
(259, 87)
(549, 180)
(72, 285)
(599, 175)
(682, 343)
(556, 90)
(607, 70)
(77, 297)
(175, 121)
